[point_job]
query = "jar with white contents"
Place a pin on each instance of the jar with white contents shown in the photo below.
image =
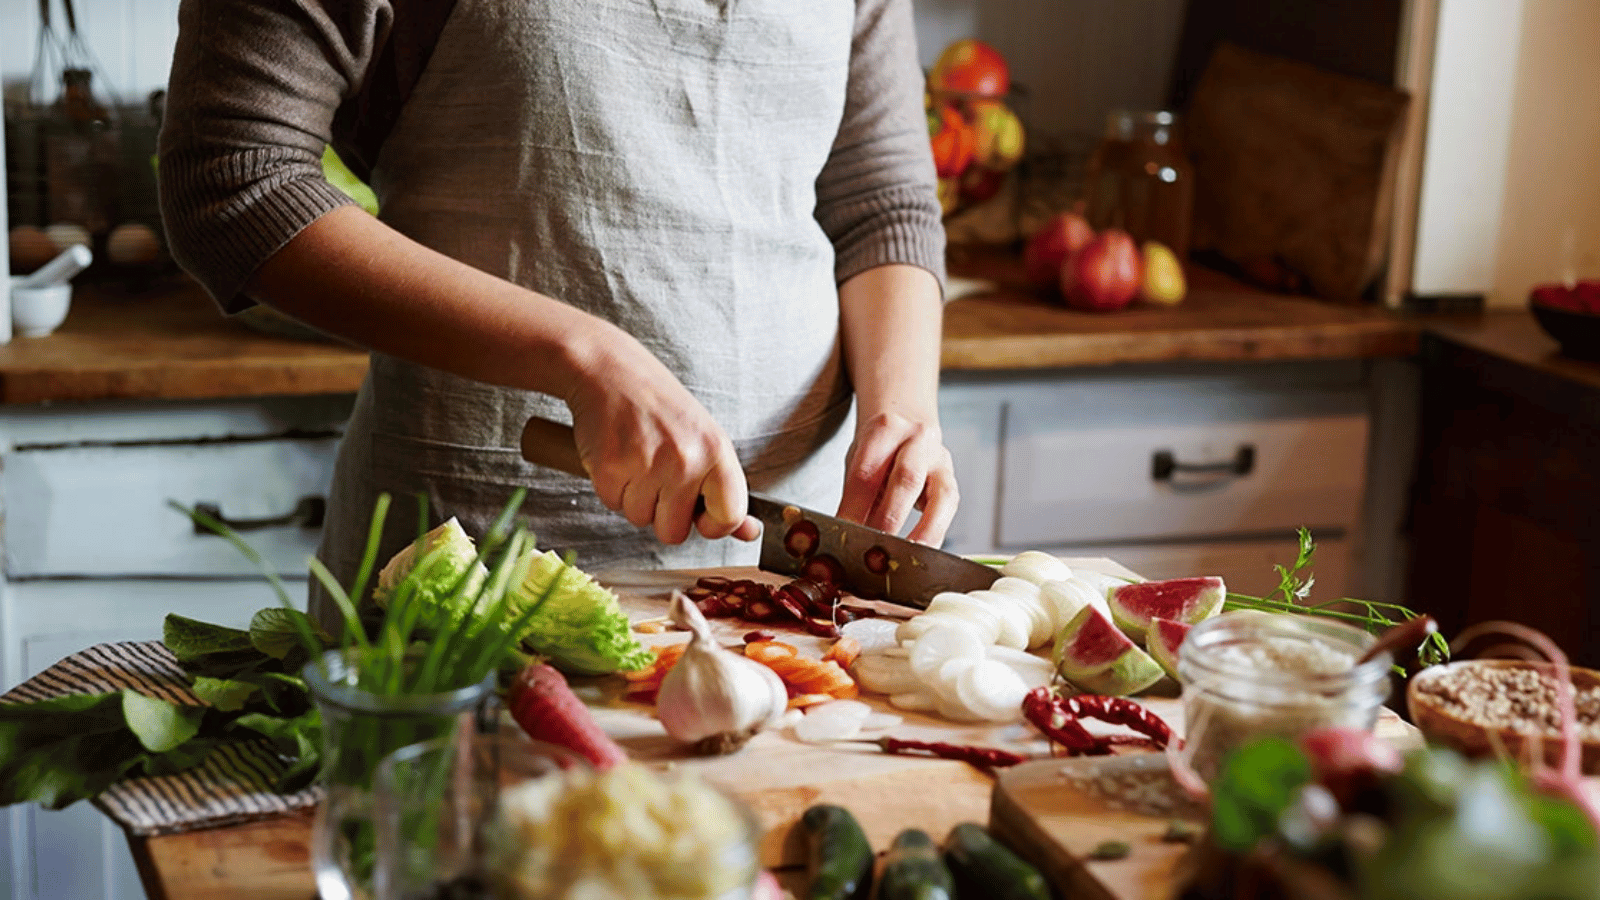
(1249, 674)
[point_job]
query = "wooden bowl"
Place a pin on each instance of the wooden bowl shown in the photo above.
(1441, 726)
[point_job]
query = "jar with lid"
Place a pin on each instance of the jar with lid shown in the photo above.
(1139, 179)
(81, 157)
(1248, 674)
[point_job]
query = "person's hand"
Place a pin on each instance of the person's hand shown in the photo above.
(896, 465)
(653, 452)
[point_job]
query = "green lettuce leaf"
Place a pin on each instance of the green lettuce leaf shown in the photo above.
(578, 623)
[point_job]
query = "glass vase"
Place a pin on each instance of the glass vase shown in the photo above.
(359, 728)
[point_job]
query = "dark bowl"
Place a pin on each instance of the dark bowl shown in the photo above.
(1578, 333)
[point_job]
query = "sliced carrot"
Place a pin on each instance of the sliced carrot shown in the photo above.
(800, 701)
(844, 651)
(767, 651)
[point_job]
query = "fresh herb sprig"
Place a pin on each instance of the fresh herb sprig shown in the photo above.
(1294, 586)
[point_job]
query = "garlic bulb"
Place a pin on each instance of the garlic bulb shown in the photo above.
(714, 698)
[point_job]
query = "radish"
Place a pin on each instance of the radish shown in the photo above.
(1035, 671)
(940, 644)
(1097, 657)
(1036, 566)
(1187, 600)
(1069, 596)
(1016, 622)
(836, 720)
(913, 701)
(884, 674)
(541, 701)
(871, 632)
(991, 690)
(985, 621)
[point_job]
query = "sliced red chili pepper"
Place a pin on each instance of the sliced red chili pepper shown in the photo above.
(802, 539)
(983, 757)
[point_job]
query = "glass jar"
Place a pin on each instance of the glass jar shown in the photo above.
(1140, 179)
(359, 729)
(1248, 674)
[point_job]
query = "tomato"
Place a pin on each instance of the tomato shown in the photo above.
(969, 66)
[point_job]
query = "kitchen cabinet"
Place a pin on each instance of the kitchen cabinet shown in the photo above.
(1173, 470)
(93, 552)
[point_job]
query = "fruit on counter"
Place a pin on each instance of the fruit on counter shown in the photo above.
(997, 134)
(1163, 283)
(954, 144)
(1049, 248)
(1187, 600)
(1105, 275)
(970, 67)
(1162, 640)
(839, 858)
(1583, 296)
(1094, 654)
(979, 183)
(30, 248)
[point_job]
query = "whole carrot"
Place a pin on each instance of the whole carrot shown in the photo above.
(544, 705)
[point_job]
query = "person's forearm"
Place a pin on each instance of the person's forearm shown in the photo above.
(891, 318)
(353, 277)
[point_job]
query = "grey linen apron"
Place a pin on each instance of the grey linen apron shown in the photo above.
(652, 163)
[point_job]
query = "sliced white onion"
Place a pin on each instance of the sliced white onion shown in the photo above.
(1099, 583)
(912, 628)
(940, 643)
(881, 720)
(835, 720)
(985, 621)
(992, 691)
(1036, 566)
(912, 700)
(1069, 597)
(872, 632)
(882, 673)
(944, 681)
(1016, 623)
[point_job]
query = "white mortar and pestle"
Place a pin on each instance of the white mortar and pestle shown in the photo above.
(40, 299)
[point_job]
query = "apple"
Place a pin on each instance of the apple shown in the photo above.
(1105, 275)
(1163, 282)
(969, 66)
(1049, 248)
(979, 183)
(997, 134)
(952, 143)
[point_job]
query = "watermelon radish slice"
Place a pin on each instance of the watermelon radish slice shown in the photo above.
(1162, 641)
(1097, 657)
(1188, 600)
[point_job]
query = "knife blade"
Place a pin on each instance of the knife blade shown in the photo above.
(867, 562)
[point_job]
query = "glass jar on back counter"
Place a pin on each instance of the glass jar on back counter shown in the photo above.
(1248, 674)
(1140, 179)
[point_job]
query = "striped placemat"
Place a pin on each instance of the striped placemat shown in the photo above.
(233, 784)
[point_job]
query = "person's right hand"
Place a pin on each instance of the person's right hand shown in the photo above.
(652, 450)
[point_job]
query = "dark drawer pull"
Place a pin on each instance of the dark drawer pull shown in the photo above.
(307, 513)
(1163, 465)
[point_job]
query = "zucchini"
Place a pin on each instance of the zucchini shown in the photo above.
(984, 867)
(839, 858)
(913, 870)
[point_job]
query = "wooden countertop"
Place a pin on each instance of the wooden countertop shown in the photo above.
(168, 342)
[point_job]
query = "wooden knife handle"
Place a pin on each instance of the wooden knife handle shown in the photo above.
(550, 444)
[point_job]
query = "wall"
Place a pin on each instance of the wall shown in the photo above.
(130, 40)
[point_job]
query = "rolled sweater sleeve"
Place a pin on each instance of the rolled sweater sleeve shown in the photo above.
(877, 196)
(251, 102)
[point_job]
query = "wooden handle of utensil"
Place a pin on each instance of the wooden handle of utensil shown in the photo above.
(550, 444)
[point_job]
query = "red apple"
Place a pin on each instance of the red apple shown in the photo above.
(969, 66)
(1048, 248)
(1105, 275)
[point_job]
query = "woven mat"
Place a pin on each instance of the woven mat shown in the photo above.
(232, 785)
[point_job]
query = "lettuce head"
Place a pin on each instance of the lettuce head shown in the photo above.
(578, 623)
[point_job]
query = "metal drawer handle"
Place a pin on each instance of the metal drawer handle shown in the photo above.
(307, 513)
(1163, 465)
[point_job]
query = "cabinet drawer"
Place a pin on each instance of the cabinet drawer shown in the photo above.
(1174, 476)
(104, 510)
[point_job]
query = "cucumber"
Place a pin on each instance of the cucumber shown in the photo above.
(984, 867)
(839, 859)
(914, 870)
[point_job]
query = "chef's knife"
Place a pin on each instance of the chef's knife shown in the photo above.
(868, 563)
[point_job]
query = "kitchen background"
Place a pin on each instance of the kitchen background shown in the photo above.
(1511, 115)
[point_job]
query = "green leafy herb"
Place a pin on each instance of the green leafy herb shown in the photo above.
(1255, 784)
(1294, 586)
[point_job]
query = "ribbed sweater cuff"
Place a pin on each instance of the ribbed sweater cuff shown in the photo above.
(891, 229)
(224, 218)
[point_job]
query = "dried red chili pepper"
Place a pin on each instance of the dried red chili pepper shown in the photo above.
(983, 757)
(1124, 712)
(1048, 712)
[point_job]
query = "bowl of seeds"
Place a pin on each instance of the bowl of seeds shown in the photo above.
(1505, 707)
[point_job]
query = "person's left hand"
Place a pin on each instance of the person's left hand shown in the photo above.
(895, 465)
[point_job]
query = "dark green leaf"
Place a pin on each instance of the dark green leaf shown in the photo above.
(279, 632)
(1256, 784)
(215, 650)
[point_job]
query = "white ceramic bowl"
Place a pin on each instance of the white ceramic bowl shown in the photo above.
(35, 312)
